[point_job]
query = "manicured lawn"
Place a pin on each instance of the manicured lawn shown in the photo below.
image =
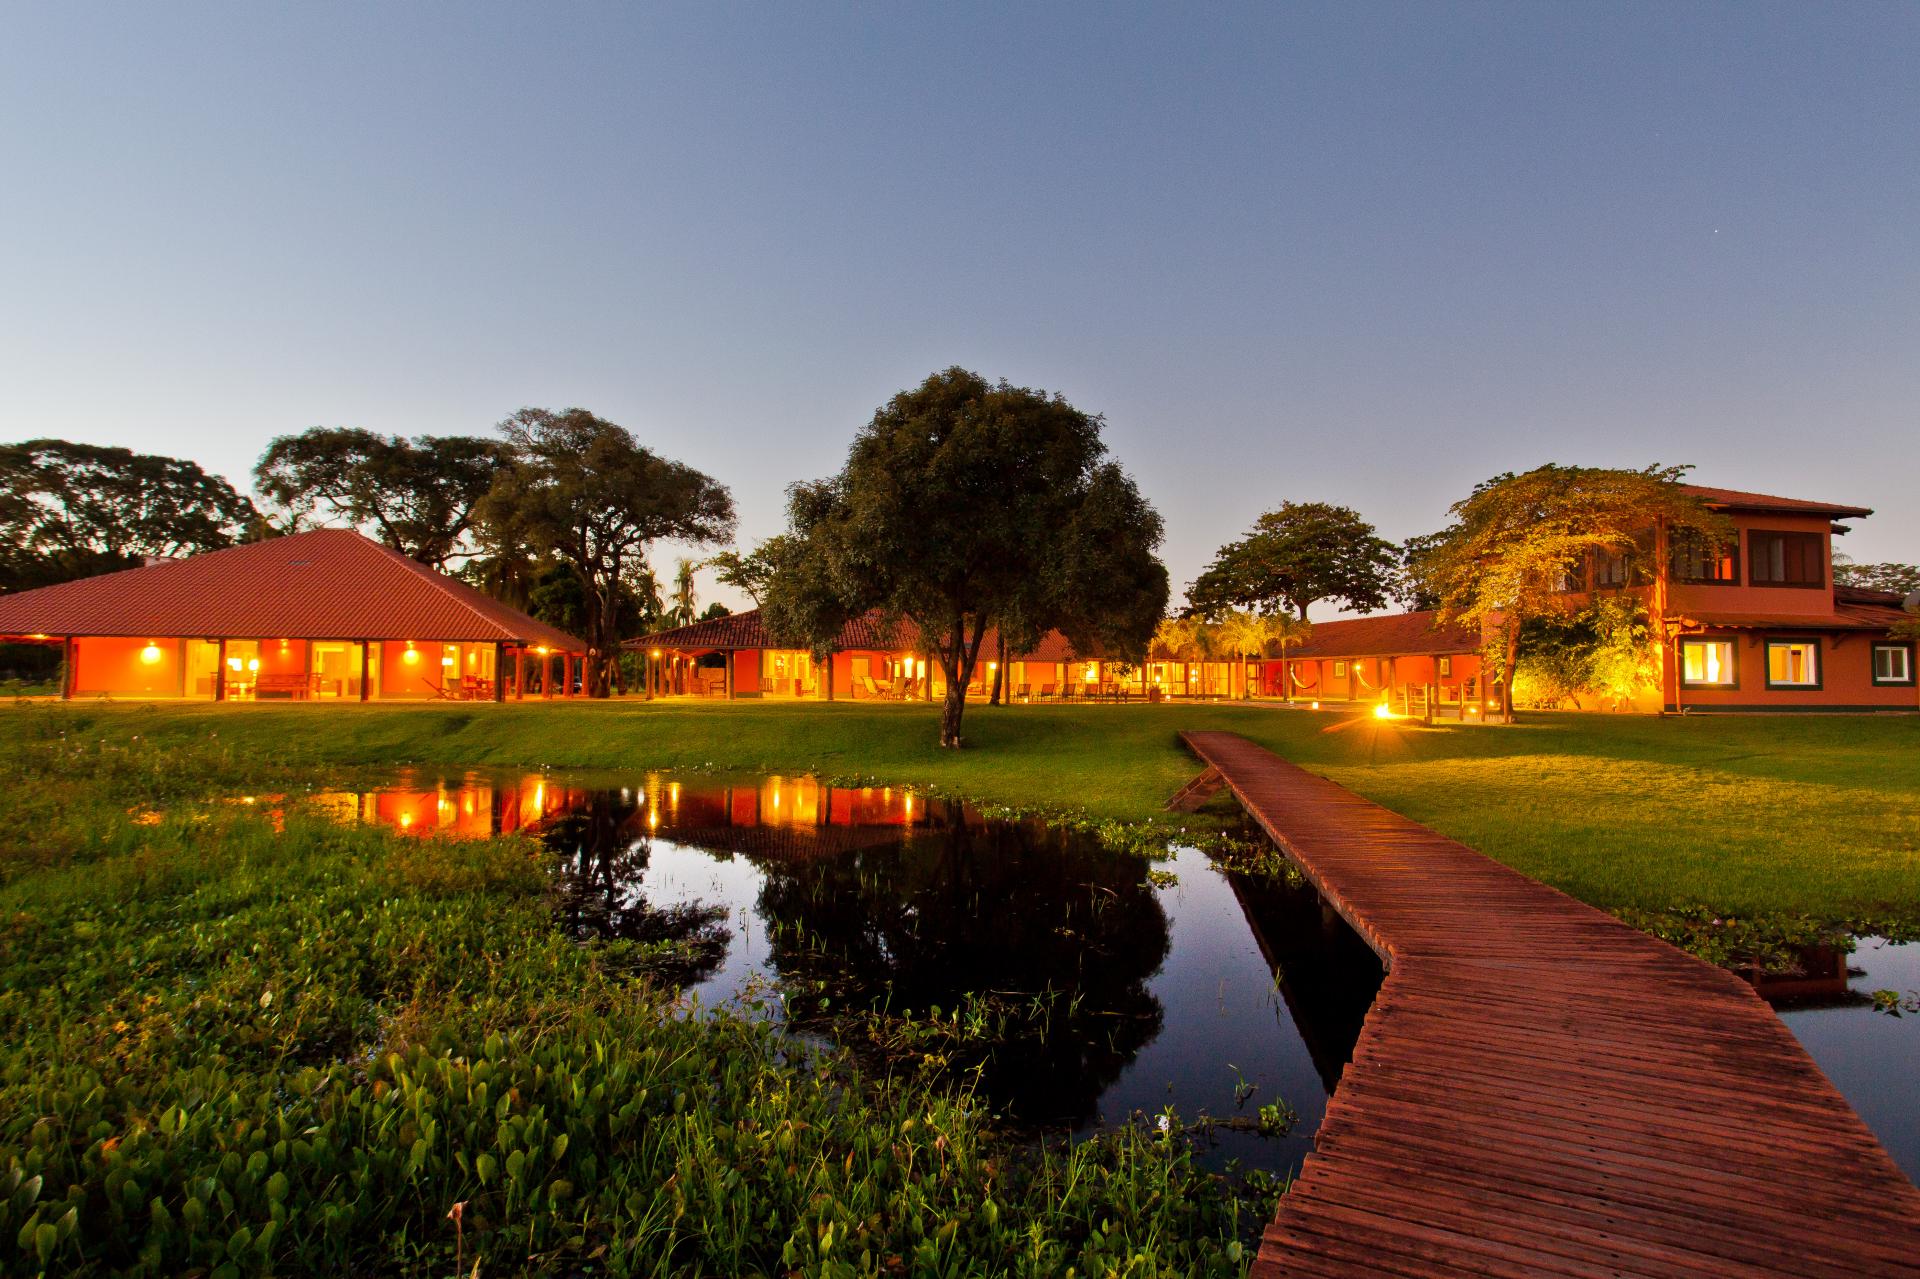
(1815, 816)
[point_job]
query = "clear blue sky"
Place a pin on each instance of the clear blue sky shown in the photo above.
(1366, 254)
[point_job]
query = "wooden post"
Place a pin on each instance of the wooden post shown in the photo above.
(1392, 674)
(67, 674)
(363, 670)
(499, 672)
(546, 676)
(727, 675)
(829, 678)
(520, 673)
(1320, 676)
(219, 672)
(926, 685)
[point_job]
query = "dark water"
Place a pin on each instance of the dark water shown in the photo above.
(1872, 1057)
(1097, 984)
(1108, 985)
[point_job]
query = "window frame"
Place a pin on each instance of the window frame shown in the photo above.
(1873, 665)
(1733, 661)
(1445, 670)
(1782, 641)
(1753, 558)
(1340, 670)
(1683, 542)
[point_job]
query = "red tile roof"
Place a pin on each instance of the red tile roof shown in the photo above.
(1850, 617)
(1389, 635)
(1764, 504)
(325, 584)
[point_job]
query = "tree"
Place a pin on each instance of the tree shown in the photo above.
(72, 510)
(1299, 554)
(1286, 631)
(583, 491)
(1900, 579)
(1504, 559)
(683, 609)
(420, 496)
(1408, 590)
(749, 573)
(1243, 634)
(966, 504)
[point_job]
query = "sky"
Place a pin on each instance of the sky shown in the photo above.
(1366, 254)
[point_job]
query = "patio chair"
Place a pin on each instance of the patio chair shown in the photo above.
(1046, 692)
(1024, 692)
(873, 689)
(1066, 692)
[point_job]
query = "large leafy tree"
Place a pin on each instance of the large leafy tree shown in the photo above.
(750, 573)
(583, 491)
(1503, 561)
(1296, 555)
(420, 496)
(964, 505)
(71, 510)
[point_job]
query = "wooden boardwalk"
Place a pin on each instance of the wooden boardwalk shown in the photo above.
(1543, 1090)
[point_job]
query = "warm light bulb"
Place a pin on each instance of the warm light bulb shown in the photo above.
(233, 663)
(1383, 711)
(410, 657)
(150, 654)
(1316, 706)
(253, 663)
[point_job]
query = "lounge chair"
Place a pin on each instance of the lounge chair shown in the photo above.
(1023, 693)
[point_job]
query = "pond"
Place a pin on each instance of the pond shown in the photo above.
(1088, 985)
(1083, 985)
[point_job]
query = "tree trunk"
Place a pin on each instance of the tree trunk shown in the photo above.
(999, 670)
(1506, 676)
(957, 658)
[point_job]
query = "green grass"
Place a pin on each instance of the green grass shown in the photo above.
(1777, 816)
(228, 1049)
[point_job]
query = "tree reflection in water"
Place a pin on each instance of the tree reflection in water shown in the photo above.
(1040, 939)
(602, 854)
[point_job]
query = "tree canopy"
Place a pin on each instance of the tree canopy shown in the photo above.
(1296, 555)
(1505, 559)
(1901, 579)
(419, 496)
(966, 504)
(584, 492)
(70, 510)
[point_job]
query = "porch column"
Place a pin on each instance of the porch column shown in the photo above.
(219, 671)
(67, 672)
(520, 674)
(829, 679)
(363, 670)
(499, 672)
(726, 674)
(546, 676)
(1320, 677)
(1392, 672)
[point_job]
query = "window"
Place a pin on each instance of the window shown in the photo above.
(1707, 663)
(1793, 663)
(1698, 561)
(1339, 670)
(1446, 668)
(1571, 576)
(1893, 664)
(1787, 559)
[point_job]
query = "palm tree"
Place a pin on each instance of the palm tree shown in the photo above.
(1190, 639)
(1286, 630)
(682, 611)
(1243, 634)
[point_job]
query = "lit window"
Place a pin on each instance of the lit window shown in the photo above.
(1793, 664)
(1699, 562)
(1446, 667)
(1893, 664)
(1707, 664)
(1339, 670)
(1787, 559)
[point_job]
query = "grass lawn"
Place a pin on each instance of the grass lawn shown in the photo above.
(1814, 816)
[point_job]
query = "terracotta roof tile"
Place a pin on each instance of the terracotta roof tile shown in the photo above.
(1851, 617)
(1389, 635)
(1762, 503)
(324, 584)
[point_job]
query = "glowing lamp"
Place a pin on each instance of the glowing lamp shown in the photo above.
(253, 663)
(150, 654)
(656, 652)
(993, 666)
(411, 657)
(446, 659)
(1316, 706)
(233, 663)
(1383, 711)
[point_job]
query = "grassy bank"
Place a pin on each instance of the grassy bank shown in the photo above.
(235, 1049)
(1777, 816)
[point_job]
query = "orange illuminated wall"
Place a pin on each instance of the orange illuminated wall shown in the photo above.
(403, 678)
(117, 667)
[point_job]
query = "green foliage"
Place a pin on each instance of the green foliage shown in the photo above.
(420, 496)
(1898, 579)
(966, 505)
(240, 1040)
(73, 510)
(1296, 555)
(583, 492)
(1504, 560)
(1601, 656)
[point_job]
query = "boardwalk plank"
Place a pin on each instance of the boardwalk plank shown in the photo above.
(1543, 1090)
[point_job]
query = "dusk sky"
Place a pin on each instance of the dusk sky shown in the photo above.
(1362, 254)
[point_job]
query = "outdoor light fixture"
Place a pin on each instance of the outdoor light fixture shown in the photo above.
(447, 660)
(151, 653)
(411, 656)
(1383, 711)
(1316, 706)
(253, 663)
(233, 663)
(656, 652)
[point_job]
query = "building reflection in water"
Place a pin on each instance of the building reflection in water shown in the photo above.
(1044, 951)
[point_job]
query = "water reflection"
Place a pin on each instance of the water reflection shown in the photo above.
(1081, 989)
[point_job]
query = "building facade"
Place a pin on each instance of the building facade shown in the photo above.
(325, 616)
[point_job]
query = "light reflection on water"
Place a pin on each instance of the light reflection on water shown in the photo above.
(1208, 993)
